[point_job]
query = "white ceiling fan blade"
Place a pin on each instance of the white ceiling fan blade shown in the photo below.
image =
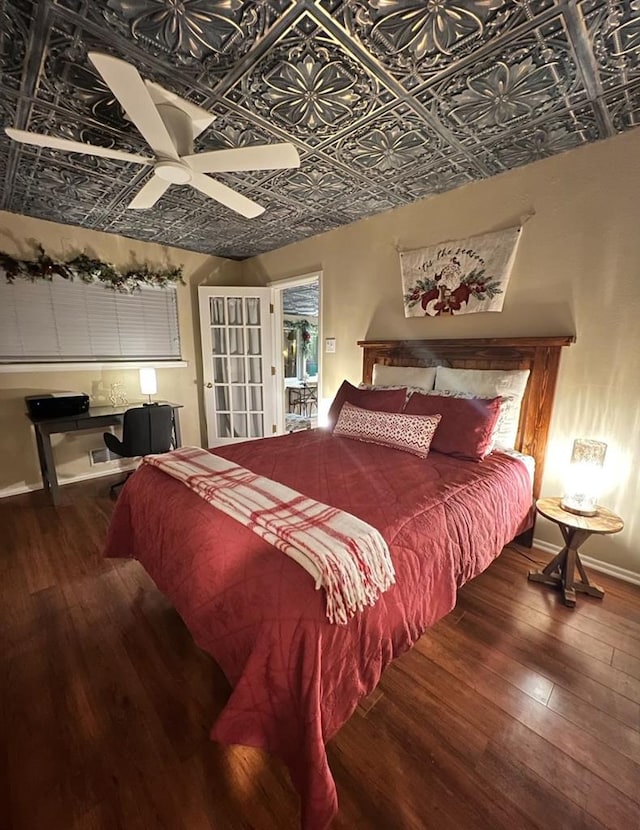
(199, 118)
(226, 196)
(259, 157)
(153, 190)
(126, 84)
(52, 142)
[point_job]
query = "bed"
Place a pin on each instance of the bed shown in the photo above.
(296, 679)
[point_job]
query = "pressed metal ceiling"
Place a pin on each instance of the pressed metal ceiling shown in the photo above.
(302, 300)
(388, 101)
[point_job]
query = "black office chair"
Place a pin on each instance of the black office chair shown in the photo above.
(145, 430)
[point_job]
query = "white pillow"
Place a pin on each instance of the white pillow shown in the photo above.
(422, 377)
(510, 384)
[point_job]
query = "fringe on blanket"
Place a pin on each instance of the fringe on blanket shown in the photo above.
(347, 557)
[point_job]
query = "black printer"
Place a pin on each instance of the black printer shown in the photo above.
(57, 404)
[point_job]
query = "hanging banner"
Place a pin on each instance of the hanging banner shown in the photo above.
(460, 277)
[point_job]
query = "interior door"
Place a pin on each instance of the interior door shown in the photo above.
(237, 351)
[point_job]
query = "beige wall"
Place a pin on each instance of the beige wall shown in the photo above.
(577, 271)
(19, 465)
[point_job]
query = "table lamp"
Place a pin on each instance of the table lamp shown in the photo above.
(584, 477)
(148, 383)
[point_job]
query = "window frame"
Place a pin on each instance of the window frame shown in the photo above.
(86, 366)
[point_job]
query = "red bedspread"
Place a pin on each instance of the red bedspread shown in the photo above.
(297, 678)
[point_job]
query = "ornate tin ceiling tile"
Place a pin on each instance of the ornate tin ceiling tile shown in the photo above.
(510, 87)
(432, 179)
(370, 203)
(15, 24)
(381, 148)
(309, 85)
(233, 129)
(624, 106)
(547, 137)
(82, 197)
(69, 80)
(614, 30)
(417, 40)
(317, 183)
(205, 38)
(8, 104)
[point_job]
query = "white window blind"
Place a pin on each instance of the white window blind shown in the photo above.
(61, 321)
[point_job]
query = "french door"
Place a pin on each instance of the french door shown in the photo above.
(237, 350)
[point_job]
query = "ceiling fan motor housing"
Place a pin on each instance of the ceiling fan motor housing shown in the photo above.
(174, 172)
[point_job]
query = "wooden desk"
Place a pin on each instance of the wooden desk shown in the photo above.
(96, 418)
(575, 532)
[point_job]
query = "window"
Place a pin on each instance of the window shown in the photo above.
(63, 321)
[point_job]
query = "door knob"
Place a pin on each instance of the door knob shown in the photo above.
(209, 385)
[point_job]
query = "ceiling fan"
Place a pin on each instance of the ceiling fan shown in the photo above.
(169, 125)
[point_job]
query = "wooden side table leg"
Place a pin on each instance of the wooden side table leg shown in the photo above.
(576, 538)
(587, 587)
(552, 573)
(568, 577)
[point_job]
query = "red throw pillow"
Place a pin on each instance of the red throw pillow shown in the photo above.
(467, 424)
(384, 400)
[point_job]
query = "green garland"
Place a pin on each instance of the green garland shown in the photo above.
(88, 270)
(306, 330)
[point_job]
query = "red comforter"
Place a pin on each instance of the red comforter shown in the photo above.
(296, 679)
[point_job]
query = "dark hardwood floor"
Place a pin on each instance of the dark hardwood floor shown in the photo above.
(513, 712)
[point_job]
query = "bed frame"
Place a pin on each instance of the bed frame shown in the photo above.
(541, 355)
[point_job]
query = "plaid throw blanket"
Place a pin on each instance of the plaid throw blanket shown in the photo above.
(345, 556)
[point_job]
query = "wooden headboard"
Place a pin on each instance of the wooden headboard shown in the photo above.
(539, 354)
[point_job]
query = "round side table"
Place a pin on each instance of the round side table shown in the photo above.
(575, 532)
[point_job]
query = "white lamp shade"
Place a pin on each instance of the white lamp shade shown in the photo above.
(584, 477)
(148, 381)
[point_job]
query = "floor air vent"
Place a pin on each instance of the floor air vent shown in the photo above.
(101, 455)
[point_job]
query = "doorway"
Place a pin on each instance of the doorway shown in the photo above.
(297, 328)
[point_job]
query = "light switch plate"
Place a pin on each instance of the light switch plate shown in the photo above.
(330, 345)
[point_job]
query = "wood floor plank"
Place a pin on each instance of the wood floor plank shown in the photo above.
(626, 663)
(545, 599)
(517, 672)
(522, 618)
(477, 803)
(616, 769)
(541, 802)
(550, 762)
(512, 712)
(586, 789)
(596, 722)
(615, 690)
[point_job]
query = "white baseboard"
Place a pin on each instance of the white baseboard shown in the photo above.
(29, 488)
(596, 564)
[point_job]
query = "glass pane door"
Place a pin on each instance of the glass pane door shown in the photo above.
(236, 352)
